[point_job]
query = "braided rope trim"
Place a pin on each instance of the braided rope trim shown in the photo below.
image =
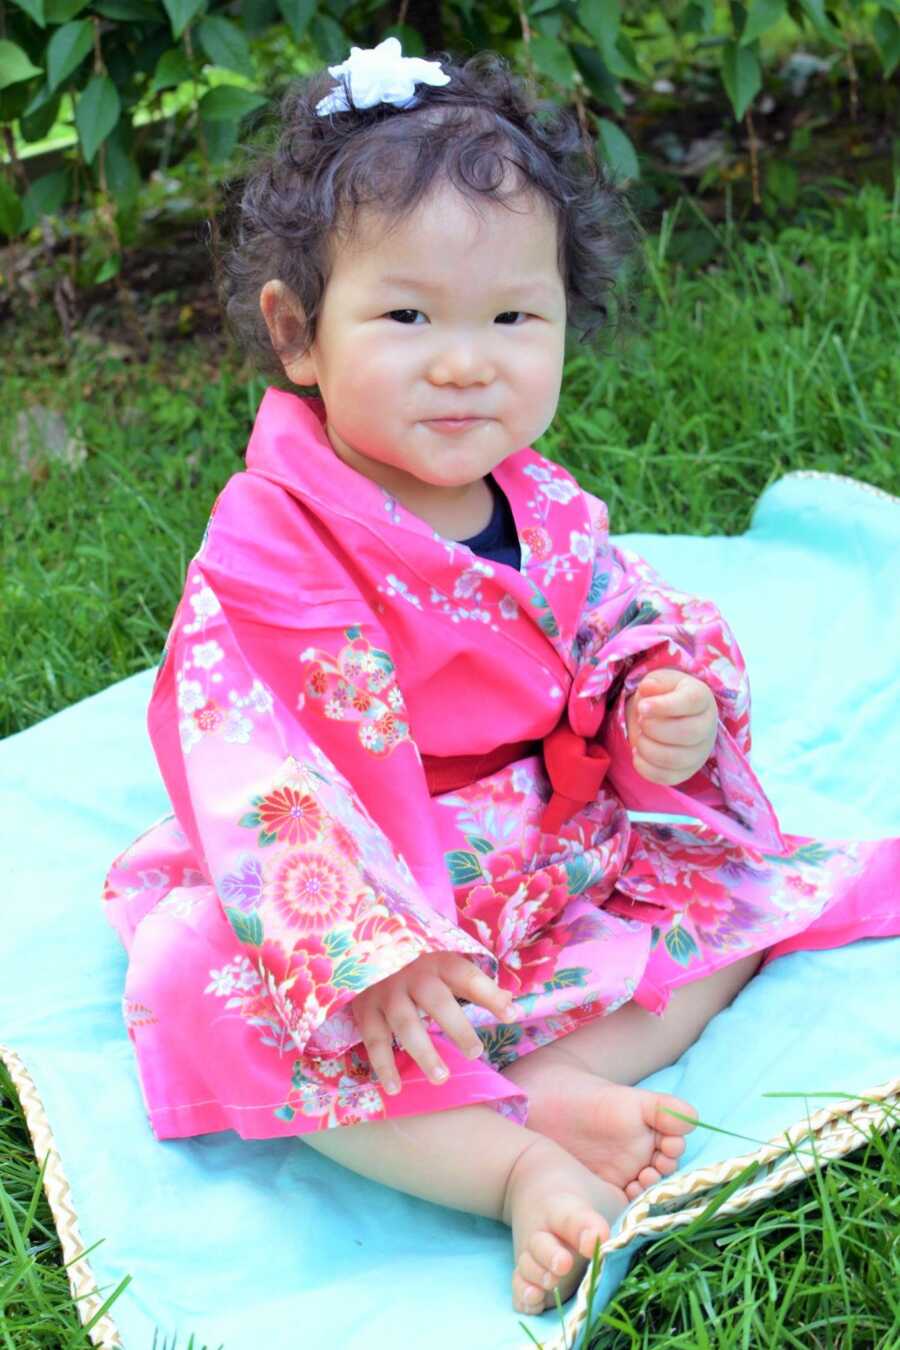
(829, 1133)
(88, 1301)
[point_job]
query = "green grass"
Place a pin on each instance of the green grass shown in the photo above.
(780, 356)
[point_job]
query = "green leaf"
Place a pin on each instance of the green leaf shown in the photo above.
(815, 13)
(10, 210)
(247, 927)
(741, 76)
(617, 151)
(480, 845)
(221, 138)
(597, 76)
(348, 974)
(264, 839)
(66, 49)
(181, 12)
(96, 113)
(228, 103)
(328, 39)
(553, 59)
(697, 17)
(297, 14)
(681, 946)
(123, 176)
(764, 14)
(335, 941)
(654, 937)
(172, 69)
(464, 868)
(887, 38)
(61, 11)
(44, 197)
(225, 44)
(579, 873)
(573, 977)
(15, 65)
(284, 1112)
(40, 114)
(35, 9)
(107, 270)
(601, 18)
(250, 821)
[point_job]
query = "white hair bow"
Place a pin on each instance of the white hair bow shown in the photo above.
(380, 74)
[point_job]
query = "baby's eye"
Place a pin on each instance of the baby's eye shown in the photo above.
(509, 316)
(397, 313)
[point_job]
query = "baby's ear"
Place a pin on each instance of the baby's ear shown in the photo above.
(284, 319)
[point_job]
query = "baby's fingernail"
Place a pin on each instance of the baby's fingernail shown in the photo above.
(474, 1051)
(392, 1086)
(439, 1074)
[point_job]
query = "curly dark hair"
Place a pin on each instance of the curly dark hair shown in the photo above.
(307, 190)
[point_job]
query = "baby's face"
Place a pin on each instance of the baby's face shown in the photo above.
(451, 314)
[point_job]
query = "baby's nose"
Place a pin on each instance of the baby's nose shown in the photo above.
(462, 363)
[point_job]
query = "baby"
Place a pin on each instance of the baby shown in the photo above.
(412, 691)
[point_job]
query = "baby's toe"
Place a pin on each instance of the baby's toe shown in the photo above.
(533, 1272)
(672, 1145)
(578, 1225)
(527, 1297)
(633, 1190)
(664, 1166)
(551, 1254)
(668, 1124)
(648, 1176)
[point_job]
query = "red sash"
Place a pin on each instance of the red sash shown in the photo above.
(575, 767)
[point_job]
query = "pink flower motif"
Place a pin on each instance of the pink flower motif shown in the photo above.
(209, 716)
(538, 540)
(309, 890)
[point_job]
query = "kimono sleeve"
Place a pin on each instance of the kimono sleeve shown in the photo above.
(634, 623)
(288, 759)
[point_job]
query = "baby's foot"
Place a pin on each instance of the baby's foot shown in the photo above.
(622, 1134)
(558, 1212)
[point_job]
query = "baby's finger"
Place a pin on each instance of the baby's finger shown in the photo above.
(406, 1024)
(686, 731)
(678, 758)
(685, 700)
(440, 1004)
(667, 777)
(467, 981)
(378, 1040)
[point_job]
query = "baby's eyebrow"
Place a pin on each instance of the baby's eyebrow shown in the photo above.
(517, 288)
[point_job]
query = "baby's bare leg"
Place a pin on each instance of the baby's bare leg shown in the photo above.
(473, 1159)
(632, 1043)
(575, 1085)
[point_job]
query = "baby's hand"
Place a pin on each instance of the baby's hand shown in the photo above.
(671, 720)
(431, 982)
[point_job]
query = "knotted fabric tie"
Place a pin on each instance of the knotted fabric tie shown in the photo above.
(576, 768)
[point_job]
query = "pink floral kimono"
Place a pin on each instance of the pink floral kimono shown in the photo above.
(340, 686)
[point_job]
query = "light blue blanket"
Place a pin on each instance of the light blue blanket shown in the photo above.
(250, 1244)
